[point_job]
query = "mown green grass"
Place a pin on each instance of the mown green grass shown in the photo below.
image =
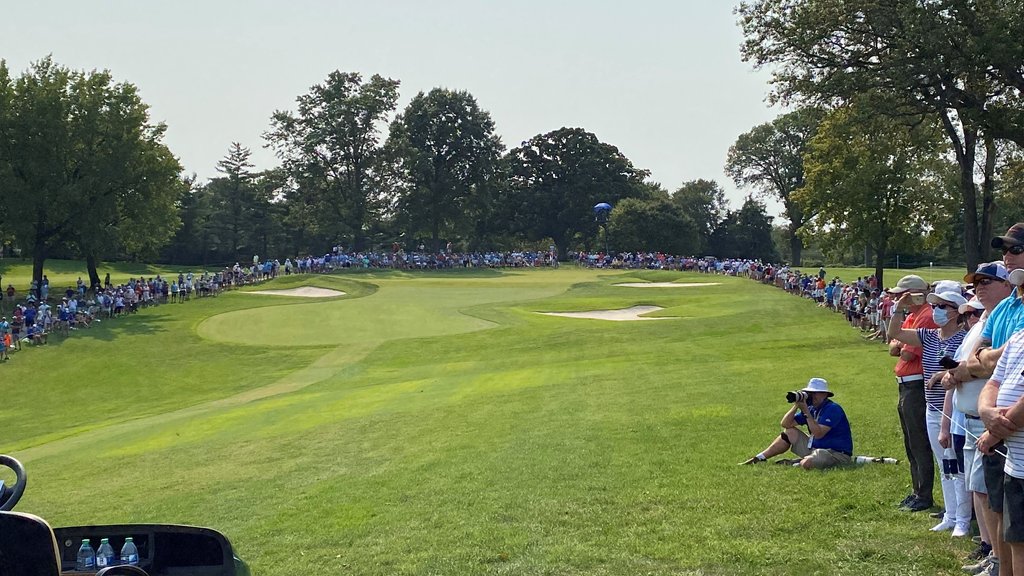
(527, 444)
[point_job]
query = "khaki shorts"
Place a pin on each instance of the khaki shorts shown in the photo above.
(821, 458)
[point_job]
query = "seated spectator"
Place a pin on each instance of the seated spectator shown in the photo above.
(830, 442)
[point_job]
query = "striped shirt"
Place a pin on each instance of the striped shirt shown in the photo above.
(1009, 373)
(933, 348)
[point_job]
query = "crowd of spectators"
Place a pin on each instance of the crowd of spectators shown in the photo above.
(959, 345)
(36, 313)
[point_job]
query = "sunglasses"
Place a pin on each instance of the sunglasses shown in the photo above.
(1016, 249)
(946, 306)
(975, 313)
(986, 281)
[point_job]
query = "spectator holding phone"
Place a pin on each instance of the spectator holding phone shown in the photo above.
(936, 344)
(912, 314)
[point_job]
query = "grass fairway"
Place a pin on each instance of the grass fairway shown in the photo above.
(435, 424)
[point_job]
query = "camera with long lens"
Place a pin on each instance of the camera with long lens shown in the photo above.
(796, 396)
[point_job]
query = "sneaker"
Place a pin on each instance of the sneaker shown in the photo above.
(910, 498)
(918, 505)
(991, 570)
(980, 552)
(962, 530)
(943, 526)
(980, 566)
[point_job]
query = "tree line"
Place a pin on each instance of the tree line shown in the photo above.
(84, 173)
(902, 133)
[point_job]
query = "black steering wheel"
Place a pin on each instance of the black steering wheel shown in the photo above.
(10, 495)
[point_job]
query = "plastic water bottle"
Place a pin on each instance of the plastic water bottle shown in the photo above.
(129, 553)
(105, 555)
(875, 460)
(86, 557)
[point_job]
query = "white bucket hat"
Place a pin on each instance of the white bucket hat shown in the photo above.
(818, 385)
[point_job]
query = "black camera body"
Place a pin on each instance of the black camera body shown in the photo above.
(796, 396)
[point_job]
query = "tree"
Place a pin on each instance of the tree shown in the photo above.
(951, 61)
(449, 157)
(769, 158)
(81, 164)
(652, 225)
(745, 233)
(703, 201)
(234, 199)
(331, 151)
(871, 182)
(555, 179)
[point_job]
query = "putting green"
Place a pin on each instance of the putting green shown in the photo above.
(397, 310)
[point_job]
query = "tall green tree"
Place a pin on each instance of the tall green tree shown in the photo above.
(769, 158)
(745, 233)
(703, 202)
(872, 182)
(555, 179)
(331, 150)
(449, 159)
(955, 62)
(81, 164)
(652, 225)
(268, 235)
(234, 199)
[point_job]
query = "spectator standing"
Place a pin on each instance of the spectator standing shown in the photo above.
(1004, 320)
(909, 372)
(936, 344)
(990, 286)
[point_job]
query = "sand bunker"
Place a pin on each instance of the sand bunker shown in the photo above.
(623, 315)
(666, 284)
(304, 291)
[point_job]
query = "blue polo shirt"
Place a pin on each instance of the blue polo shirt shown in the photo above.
(1005, 319)
(839, 437)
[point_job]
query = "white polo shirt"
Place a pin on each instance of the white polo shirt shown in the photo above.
(1009, 373)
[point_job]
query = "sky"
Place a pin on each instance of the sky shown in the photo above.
(662, 80)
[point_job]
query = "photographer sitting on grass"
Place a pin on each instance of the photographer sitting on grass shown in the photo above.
(830, 442)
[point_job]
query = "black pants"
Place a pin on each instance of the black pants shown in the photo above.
(915, 438)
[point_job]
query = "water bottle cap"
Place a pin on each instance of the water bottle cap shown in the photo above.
(85, 540)
(128, 539)
(104, 541)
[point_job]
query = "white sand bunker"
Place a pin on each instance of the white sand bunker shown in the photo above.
(304, 291)
(623, 315)
(666, 284)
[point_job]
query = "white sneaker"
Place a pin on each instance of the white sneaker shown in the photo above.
(962, 530)
(943, 526)
(991, 570)
(982, 565)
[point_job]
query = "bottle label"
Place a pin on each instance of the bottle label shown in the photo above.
(132, 559)
(101, 562)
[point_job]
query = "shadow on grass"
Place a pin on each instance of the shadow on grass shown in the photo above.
(416, 273)
(110, 329)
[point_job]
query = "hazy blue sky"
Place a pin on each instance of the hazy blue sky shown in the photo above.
(661, 80)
